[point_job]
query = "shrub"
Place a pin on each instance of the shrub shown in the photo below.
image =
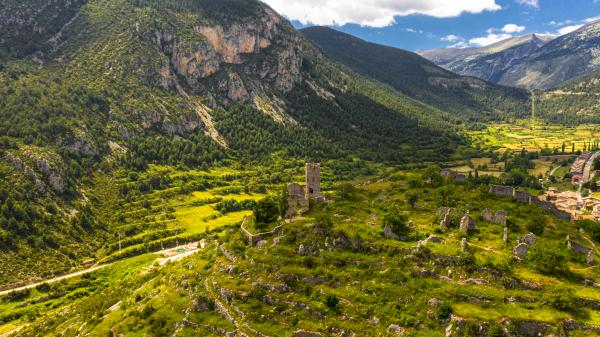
(536, 225)
(444, 311)
(266, 211)
(347, 192)
(549, 258)
(332, 302)
(395, 220)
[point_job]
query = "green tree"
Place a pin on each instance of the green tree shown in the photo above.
(394, 219)
(283, 202)
(549, 258)
(432, 176)
(412, 199)
(266, 212)
(445, 196)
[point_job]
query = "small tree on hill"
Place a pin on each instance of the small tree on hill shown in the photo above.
(266, 212)
(549, 258)
(395, 220)
(412, 199)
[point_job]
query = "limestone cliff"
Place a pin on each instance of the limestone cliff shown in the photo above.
(233, 61)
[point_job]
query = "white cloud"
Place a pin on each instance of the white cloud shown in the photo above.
(491, 38)
(532, 3)
(411, 30)
(512, 28)
(451, 38)
(496, 35)
(568, 29)
(592, 19)
(374, 13)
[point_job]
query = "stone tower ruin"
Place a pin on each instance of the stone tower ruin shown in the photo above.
(313, 181)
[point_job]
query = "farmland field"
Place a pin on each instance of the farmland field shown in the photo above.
(535, 136)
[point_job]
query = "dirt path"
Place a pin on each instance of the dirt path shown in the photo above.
(162, 261)
(56, 279)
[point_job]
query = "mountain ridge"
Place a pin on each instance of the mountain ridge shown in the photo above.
(535, 65)
(419, 78)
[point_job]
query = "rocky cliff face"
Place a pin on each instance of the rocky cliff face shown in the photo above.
(229, 58)
(569, 56)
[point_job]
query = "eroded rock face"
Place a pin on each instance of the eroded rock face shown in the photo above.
(229, 52)
(231, 42)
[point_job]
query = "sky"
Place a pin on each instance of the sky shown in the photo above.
(427, 24)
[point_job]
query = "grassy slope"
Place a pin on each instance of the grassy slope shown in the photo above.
(378, 282)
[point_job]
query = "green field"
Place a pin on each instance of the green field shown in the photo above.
(535, 136)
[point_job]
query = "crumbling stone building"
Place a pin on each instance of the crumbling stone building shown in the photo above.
(299, 197)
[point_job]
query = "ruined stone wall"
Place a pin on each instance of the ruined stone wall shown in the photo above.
(313, 181)
(502, 191)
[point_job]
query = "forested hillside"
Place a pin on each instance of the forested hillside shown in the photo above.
(573, 103)
(467, 98)
(196, 84)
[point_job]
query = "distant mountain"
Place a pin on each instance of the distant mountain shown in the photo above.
(414, 76)
(560, 60)
(531, 61)
(488, 63)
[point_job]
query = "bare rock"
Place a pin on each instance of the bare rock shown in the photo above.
(313, 280)
(396, 329)
(520, 250)
(388, 233)
(467, 223)
(305, 333)
(531, 329)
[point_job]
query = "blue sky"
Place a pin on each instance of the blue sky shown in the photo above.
(426, 24)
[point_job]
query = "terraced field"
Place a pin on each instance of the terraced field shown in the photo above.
(535, 136)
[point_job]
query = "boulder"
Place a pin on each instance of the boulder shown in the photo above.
(262, 243)
(389, 233)
(467, 223)
(431, 238)
(396, 329)
(487, 215)
(301, 250)
(313, 280)
(501, 217)
(520, 250)
(446, 221)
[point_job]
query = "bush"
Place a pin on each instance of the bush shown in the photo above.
(395, 220)
(549, 258)
(347, 192)
(592, 228)
(332, 302)
(444, 311)
(537, 225)
(266, 212)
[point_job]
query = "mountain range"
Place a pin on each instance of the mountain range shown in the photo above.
(531, 61)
